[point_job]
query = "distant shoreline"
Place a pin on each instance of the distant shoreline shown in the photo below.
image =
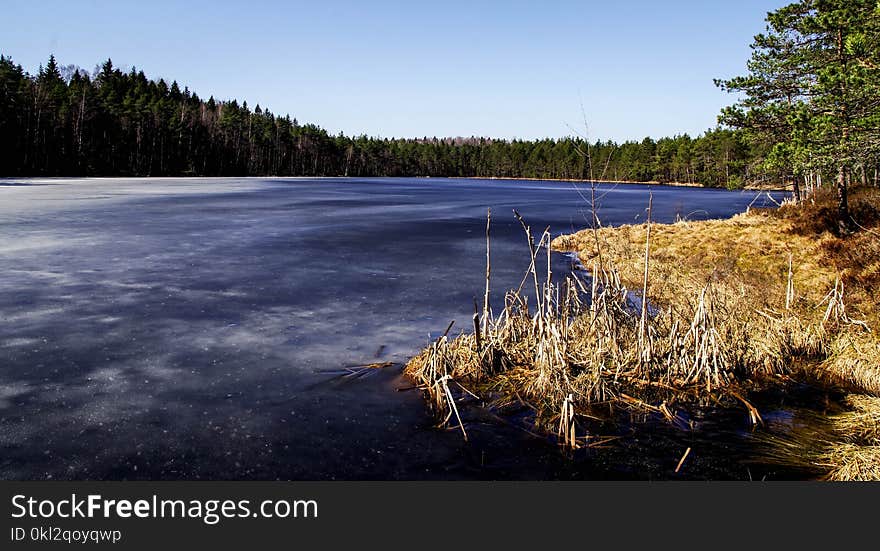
(340, 177)
(647, 183)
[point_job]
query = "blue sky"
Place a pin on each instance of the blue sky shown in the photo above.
(444, 68)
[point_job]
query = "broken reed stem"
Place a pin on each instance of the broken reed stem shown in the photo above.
(595, 223)
(533, 253)
(645, 354)
(567, 431)
(488, 274)
(836, 309)
(452, 407)
(547, 285)
(681, 461)
(754, 415)
(448, 328)
(477, 331)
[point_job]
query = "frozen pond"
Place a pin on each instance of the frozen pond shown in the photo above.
(184, 328)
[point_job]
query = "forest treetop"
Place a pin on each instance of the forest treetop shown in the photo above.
(114, 122)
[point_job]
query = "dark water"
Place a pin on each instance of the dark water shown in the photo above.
(187, 328)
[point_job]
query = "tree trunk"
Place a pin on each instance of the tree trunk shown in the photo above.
(842, 201)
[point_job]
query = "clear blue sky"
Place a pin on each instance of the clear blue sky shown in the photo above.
(444, 68)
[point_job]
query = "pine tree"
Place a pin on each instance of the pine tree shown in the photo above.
(812, 89)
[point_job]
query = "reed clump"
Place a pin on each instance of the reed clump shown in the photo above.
(563, 348)
(690, 311)
(799, 298)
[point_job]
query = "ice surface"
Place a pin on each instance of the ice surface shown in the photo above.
(182, 328)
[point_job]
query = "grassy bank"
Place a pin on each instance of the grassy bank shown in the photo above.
(753, 261)
(698, 312)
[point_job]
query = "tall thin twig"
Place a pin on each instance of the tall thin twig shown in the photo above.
(643, 323)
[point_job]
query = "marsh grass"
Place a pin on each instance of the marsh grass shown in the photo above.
(844, 446)
(852, 462)
(576, 346)
(819, 324)
(720, 307)
(860, 425)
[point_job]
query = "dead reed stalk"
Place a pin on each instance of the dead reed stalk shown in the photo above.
(567, 431)
(579, 346)
(644, 349)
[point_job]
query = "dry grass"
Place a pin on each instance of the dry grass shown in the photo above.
(558, 354)
(851, 462)
(751, 250)
(861, 425)
(820, 320)
(822, 311)
(732, 303)
(846, 445)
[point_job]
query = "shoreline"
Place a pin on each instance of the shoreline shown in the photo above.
(340, 177)
(749, 250)
(634, 182)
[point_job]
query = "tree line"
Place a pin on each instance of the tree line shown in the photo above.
(64, 121)
(808, 114)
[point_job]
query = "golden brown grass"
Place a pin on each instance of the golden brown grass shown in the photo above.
(750, 248)
(733, 303)
(852, 462)
(860, 425)
(747, 259)
(552, 351)
(846, 445)
(802, 294)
